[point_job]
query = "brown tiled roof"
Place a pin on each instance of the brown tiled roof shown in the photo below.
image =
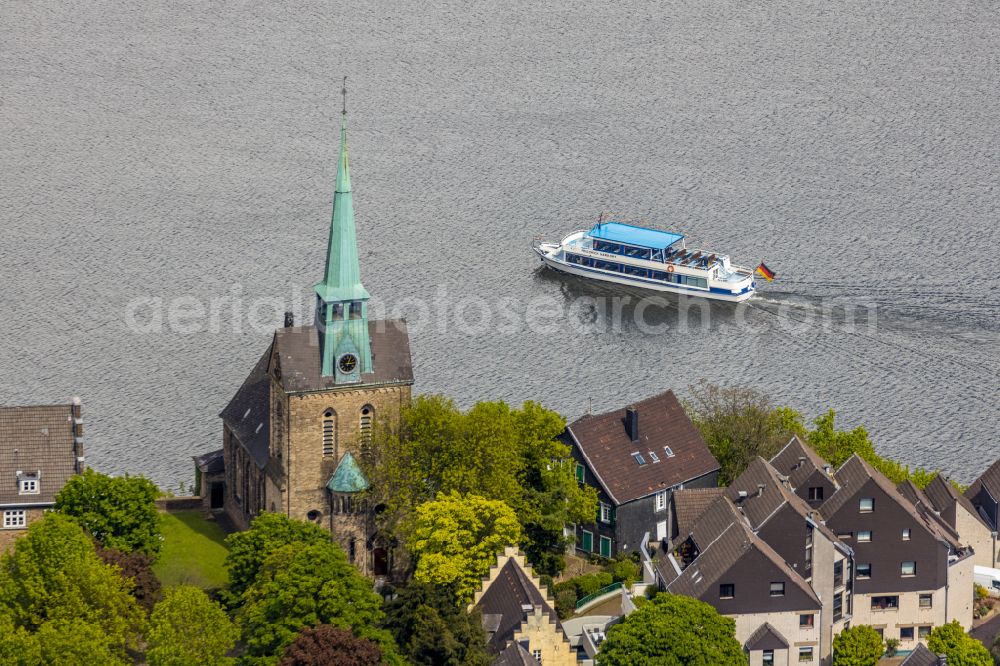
(248, 413)
(921, 656)
(766, 638)
(36, 439)
(502, 601)
(855, 472)
(942, 495)
(798, 461)
(299, 357)
(759, 506)
(607, 448)
(690, 503)
(990, 479)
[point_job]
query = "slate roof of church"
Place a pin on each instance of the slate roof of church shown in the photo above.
(299, 357)
(34, 439)
(502, 601)
(248, 413)
(212, 462)
(607, 448)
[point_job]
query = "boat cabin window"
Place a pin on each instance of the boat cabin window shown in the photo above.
(618, 248)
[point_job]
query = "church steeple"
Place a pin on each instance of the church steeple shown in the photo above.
(342, 301)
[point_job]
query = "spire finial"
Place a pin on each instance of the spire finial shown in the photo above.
(343, 94)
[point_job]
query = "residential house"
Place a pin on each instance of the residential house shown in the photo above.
(516, 609)
(959, 514)
(797, 533)
(721, 561)
(809, 475)
(984, 495)
(636, 458)
(41, 447)
(912, 573)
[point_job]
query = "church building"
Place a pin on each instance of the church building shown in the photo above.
(294, 431)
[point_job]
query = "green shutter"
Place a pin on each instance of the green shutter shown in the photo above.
(580, 473)
(605, 547)
(587, 542)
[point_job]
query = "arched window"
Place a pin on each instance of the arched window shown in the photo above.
(329, 432)
(367, 416)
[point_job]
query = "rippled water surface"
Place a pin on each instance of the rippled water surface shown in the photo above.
(187, 150)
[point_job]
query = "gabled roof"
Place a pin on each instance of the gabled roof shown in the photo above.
(856, 472)
(990, 480)
(505, 594)
(515, 655)
(918, 498)
(921, 656)
(211, 462)
(248, 413)
(691, 503)
(943, 495)
(607, 448)
(300, 366)
(36, 439)
(798, 462)
(348, 477)
(766, 638)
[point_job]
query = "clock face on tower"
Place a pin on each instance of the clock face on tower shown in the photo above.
(347, 363)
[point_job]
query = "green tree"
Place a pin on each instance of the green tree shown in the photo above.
(739, 424)
(672, 630)
(962, 650)
(858, 646)
(55, 578)
(189, 629)
(119, 512)
(432, 629)
(303, 585)
(491, 451)
(326, 645)
(456, 538)
(68, 641)
(268, 532)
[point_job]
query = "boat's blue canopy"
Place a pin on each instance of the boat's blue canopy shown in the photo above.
(616, 232)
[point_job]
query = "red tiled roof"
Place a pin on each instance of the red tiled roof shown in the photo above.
(607, 447)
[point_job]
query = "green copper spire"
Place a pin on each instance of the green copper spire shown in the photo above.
(342, 301)
(348, 477)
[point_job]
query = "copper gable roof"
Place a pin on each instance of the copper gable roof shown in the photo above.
(605, 444)
(36, 440)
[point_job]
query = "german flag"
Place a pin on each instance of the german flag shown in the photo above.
(765, 272)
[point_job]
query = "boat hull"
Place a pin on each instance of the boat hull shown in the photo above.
(633, 281)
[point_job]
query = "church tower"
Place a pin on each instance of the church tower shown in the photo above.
(295, 433)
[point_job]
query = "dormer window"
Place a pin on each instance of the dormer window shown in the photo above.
(27, 485)
(639, 459)
(669, 451)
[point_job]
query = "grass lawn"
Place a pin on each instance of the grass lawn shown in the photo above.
(193, 551)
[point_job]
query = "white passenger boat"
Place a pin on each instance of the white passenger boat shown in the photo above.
(647, 258)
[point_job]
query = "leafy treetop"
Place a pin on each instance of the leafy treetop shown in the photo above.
(962, 650)
(187, 627)
(858, 646)
(326, 644)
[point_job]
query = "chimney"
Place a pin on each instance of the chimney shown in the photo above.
(289, 319)
(802, 462)
(741, 495)
(632, 422)
(942, 660)
(760, 489)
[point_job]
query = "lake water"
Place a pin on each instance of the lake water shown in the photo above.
(186, 151)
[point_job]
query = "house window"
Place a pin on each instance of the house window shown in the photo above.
(881, 632)
(807, 621)
(838, 573)
(660, 501)
(605, 512)
(28, 486)
(867, 504)
(537, 654)
(352, 549)
(838, 606)
(13, 519)
(908, 569)
(639, 459)
(587, 541)
(605, 547)
(365, 426)
(669, 451)
(580, 473)
(926, 600)
(924, 632)
(777, 589)
(906, 633)
(805, 654)
(329, 432)
(864, 535)
(727, 591)
(885, 603)
(816, 494)
(906, 534)
(864, 571)
(655, 458)
(768, 658)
